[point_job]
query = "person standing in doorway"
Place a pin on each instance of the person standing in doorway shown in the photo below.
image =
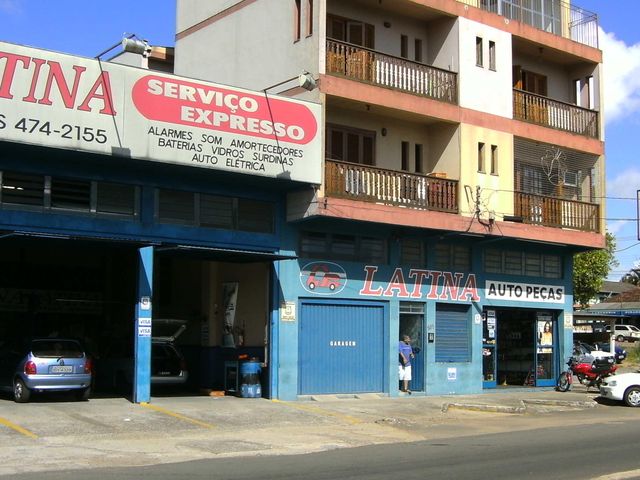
(404, 359)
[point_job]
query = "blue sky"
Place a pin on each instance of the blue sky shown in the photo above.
(86, 27)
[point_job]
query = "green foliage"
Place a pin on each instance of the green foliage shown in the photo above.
(590, 269)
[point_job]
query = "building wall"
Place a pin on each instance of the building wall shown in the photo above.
(481, 88)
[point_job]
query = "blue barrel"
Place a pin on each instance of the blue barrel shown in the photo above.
(250, 379)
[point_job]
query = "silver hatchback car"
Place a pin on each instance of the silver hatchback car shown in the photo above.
(45, 364)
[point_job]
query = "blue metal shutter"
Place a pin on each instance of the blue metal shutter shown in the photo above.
(340, 348)
(453, 333)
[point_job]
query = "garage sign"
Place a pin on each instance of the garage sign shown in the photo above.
(70, 102)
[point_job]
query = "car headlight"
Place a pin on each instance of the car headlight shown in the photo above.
(611, 383)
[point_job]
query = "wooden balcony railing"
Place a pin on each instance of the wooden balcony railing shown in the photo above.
(369, 66)
(533, 108)
(377, 185)
(557, 212)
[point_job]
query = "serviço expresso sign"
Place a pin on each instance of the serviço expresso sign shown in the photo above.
(71, 102)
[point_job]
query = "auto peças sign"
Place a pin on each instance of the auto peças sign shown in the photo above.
(71, 102)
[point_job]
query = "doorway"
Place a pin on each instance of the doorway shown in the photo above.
(525, 345)
(411, 323)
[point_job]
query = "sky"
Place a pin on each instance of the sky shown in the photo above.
(86, 27)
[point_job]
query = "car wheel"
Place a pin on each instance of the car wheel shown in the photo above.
(632, 397)
(83, 395)
(21, 394)
(619, 338)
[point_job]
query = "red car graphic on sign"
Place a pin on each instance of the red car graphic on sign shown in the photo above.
(321, 278)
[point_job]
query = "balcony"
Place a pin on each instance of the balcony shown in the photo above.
(554, 16)
(365, 65)
(557, 212)
(377, 185)
(544, 111)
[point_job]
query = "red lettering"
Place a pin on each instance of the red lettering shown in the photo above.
(449, 288)
(31, 98)
(56, 74)
(419, 275)
(368, 282)
(470, 290)
(435, 277)
(104, 84)
(9, 71)
(396, 283)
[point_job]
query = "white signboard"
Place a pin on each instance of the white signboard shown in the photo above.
(77, 103)
(144, 331)
(524, 292)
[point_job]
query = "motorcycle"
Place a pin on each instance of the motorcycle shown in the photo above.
(588, 373)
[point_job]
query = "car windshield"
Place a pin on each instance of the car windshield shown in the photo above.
(634, 328)
(56, 348)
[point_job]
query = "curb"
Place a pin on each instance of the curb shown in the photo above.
(517, 409)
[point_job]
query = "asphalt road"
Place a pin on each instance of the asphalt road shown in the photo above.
(606, 450)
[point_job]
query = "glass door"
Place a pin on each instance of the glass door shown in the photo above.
(545, 344)
(411, 323)
(489, 338)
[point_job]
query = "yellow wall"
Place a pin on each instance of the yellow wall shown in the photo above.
(496, 191)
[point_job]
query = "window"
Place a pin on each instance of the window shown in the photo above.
(419, 166)
(350, 145)
(71, 194)
(529, 81)
(22, 189)
(481, 157)
(492, 55)
(309, 18)
(479, 47)
(418, 50)
(405, 156)
(217, 211)
(453, 334)
(176, 207)
(452, 257)
(411, 252)
(297, 19)
(404, 46)
(116, 199)
(494, 160)
(255, 216)
(350, 31)
(530, 264)
(353, 248)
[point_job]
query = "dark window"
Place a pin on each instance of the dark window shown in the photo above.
(116, 199)
(405, 156)
(479, 60)
(309, 18)
(297, 19)
(492, 55)
(351, 31)
(494, 159)
(350, 145)
(22, 189)
(530, 264)
(411, 252)
(404, 46)
(480, 157)
(351, 248)
(452, 257)
(71, 194)
(255, 216)
(453, 334)
(418, 50)
(419, 165)
(176, 207)
(217, 211)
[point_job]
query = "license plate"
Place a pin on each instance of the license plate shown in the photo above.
(62, 369)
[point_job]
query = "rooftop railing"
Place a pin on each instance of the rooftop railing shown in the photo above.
(557, 212)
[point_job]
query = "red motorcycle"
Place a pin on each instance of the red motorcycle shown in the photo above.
(590, 374)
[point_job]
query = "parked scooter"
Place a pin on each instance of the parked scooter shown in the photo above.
(589, 373)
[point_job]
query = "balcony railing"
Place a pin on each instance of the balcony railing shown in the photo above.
(554, 16)
(373, 67)
(377, 185)
(557, 212)
(552, 113)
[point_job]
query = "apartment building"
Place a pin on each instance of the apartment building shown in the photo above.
(463, 168)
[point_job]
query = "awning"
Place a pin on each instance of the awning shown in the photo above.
(221, 254)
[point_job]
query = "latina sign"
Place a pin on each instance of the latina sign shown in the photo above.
(524, 292)
(77, 103)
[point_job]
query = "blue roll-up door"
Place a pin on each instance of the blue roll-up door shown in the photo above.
(453, 333)
(341, 348)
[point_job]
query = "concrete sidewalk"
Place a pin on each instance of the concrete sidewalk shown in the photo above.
(55, 433)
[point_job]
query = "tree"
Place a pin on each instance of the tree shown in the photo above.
(632, 276)
(590, 269)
